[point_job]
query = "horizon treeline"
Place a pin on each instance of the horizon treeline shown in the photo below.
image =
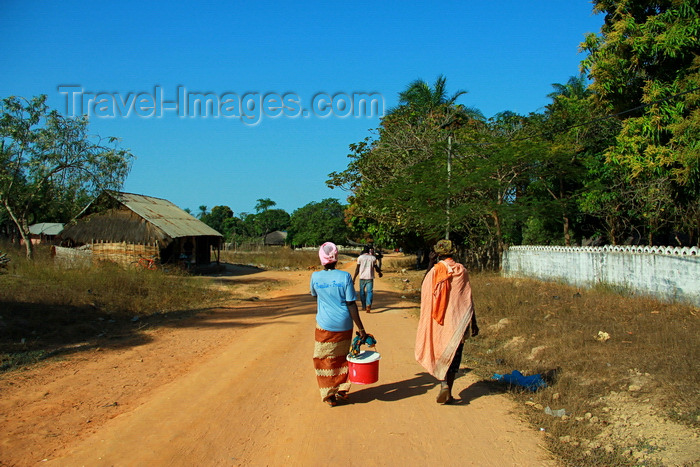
(613, 158)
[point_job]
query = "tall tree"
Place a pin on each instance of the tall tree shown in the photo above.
(45, 157)
(645, 63)
(425, 98)
(316, 223)
(576, 87)
(217, 218)
(264, 204)
(491, 164)
(559, 175)
(272, 219)
(401, 178)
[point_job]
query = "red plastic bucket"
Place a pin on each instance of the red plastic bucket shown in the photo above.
(364, 368)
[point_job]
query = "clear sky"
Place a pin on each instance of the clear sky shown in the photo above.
(147, 63)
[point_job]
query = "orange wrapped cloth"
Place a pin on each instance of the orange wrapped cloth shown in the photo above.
(441, 291)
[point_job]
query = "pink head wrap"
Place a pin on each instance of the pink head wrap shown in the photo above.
(328, 253)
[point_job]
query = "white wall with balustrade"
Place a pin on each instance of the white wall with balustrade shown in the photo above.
(668, 273)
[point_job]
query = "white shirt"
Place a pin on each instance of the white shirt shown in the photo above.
(366, 262)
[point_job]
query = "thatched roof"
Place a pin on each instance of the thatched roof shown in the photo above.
(277, 237)
(127, 217)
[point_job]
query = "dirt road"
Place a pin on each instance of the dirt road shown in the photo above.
(236, 386)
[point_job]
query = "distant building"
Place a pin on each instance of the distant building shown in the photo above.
(44, 232)
(276, 238)
(122, 227)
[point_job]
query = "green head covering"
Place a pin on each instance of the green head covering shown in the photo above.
(444, 248)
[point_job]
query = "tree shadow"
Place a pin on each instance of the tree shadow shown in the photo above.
(267, 311)
(385, 300)
(35, 331)
(383, 309)
(235, 270)
(239, 280)
(31, 332)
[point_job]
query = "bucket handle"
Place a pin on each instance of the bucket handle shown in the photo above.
(357, 342)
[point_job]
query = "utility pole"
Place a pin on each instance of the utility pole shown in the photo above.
(449, 191)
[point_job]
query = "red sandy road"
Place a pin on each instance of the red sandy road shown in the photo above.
(253, 400)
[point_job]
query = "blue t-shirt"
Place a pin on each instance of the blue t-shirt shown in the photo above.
(333, 289)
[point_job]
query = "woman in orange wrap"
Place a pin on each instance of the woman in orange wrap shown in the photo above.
(446, 319)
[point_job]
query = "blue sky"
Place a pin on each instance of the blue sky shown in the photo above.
(505, 54)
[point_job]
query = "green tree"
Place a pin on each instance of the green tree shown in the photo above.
(491, 166)
(576, 87)
(570, 134)
(425, 98)
(267, 220)
(272, 219)
(248, 225)
(645, 63)
(232, 228)
(46, 158)
(217, 218)
(317, 223)
(264, 204)
(401, 179)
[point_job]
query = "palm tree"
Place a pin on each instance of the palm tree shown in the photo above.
(264, 204)
(420, 95)
(576, 87)
(563, 166)
(421, 100)
(434, 100)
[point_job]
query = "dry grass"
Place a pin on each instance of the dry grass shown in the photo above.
(286, 258)
(651, 356)
(398, 263)
(273, 258)
(653, 348)
(47, 309)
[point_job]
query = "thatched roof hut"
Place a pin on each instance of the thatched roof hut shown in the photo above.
(117, 218)
(277, 238)
(44, 232)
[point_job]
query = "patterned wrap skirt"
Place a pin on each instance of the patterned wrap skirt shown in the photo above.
(330, 352)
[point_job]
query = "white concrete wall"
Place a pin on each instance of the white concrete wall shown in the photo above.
(666, 273)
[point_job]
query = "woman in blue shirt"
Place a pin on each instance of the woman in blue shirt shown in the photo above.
(337, 310)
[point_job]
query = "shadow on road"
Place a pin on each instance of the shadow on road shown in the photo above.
(32, 332)
(234, 270)
(419, 385)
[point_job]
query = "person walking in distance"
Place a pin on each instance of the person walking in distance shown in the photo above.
(446, 319)
(336, 313)
(366, 266)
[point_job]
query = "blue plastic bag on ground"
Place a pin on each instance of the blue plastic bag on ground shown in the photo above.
(532, 382)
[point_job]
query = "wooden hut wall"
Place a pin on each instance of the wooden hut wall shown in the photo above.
(123, 253)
